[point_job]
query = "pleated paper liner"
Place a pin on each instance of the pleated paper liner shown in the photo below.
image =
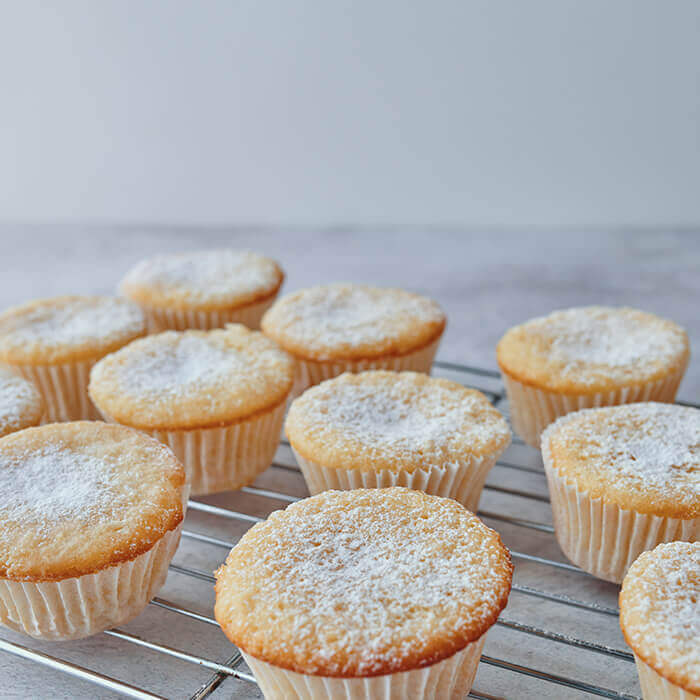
(449, 679)
(462, 481)
(533, 409)
(602, 538)
(82, 606)
(311, 372)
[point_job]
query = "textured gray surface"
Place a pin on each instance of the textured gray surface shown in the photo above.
(486, 282)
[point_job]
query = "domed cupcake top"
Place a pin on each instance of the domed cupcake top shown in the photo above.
(660, 612)
(353, 321)
(204, 280)
(68, 328)
(363, 583)
(643, 457)
(394, 420)
(192, 379)
(593, 349)
(21, 404)
(79, 497)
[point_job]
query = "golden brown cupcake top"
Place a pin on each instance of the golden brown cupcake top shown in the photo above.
(205, 280)
(79, 497)
(68, 329)
(660, 612)
(363, 583)
(21, 405)
(353, 321)
(643, 456)
(394, 420)
(192, 379)
(593, 349)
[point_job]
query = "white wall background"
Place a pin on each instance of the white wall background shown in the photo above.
(496, 113)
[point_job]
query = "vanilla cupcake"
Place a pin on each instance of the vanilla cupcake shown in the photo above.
(382, 428)
(587, 357)
(204, 289)
(622, 480)
(351, 327)
(21, 405)
(55, 342)
(217, 398)
(660, 618)
(90, 518)
(377, 593)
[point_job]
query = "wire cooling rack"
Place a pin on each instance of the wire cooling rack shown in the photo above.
(558, 638)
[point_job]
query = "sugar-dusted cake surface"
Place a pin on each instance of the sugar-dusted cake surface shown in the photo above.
(363, 583)
(643, 457)
(660, 612)
(79, 497)
(394, 420)
(353, 321)
(68, 329)
(21, 405)
(205, 280)
(593, 349)
(192, 379)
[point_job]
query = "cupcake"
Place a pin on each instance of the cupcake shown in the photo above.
(217, 398)
(90, 518)
(660, 618)
(21, 405)
(382, 428)
(373, 593)
(203, 290)
(55, 342)
(588, 357)
(352, 327)
(622, 480)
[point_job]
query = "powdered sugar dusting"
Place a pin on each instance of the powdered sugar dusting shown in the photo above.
(608, 342)
(192, 364)
(405, 417)
(660, 611)
(343, 317)
(77, 497)
(50, 485)
(20, 403)
(192, 378)
(209, 276)
(652, 449)
(360, 581)
(69, 323)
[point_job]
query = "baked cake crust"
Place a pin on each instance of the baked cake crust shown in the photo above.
(206, 280)
(660, 612)
(68, 329)
(353, 322)
(394, 420)
(80, 497)
(21, 405)
(643, 457)
(363, 583)
(593, 349)
(192, 379)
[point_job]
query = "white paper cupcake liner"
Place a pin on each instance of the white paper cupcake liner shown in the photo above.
(448, 679)
(533, 409)
(228, 457)
(656, 687)
(463, 481)
(64, 388)
(85, 605)
(163, 319)
(309, 372)
(602, 538)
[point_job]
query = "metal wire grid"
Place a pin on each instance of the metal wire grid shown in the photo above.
(231, 668)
